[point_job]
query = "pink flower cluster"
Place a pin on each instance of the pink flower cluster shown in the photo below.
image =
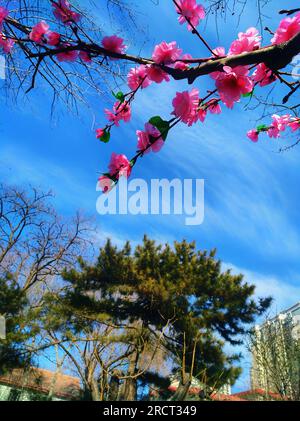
(68, 55)
(288, 28)
(121, 111)
(106, 183)
(143, 76)
(3, 14)
(150, 139)
(263, 75)
(164, 53)
(190, 12)
(246, 42)
(138, 77)
(6, 44)
(119, 166)
(40, 34)
(190, 108)
(212, 106)
(100, 133)
(232, 83)
(85, 57)
(279, 125)
(186, 106)
(114, 44)
(62, 11)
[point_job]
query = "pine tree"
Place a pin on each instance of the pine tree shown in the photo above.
(157, 305)
(19, 324)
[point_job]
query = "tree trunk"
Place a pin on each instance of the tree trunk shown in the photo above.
(114, 387)
(129, 387)
(183, 388)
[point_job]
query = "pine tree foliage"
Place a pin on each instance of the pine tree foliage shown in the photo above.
(150, 312)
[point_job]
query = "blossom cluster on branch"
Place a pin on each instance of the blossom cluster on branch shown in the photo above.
(235, 74)
(279, 124)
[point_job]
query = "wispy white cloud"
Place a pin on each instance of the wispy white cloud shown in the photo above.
(285, 293)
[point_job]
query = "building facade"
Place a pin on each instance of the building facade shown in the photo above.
(275, 353)
(36, 384)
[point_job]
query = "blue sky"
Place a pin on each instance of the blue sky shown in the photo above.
(251, 191)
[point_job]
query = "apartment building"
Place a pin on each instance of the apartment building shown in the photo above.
(276, 353)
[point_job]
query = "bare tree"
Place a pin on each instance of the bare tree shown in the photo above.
(35, 243)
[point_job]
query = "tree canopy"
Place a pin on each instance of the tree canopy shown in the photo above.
(155, 304)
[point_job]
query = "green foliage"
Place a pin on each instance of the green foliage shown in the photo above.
(175, 293)
(105, 138)
(261, 128)
(13, 303)
(248, 94)
(162, 125)
(119, 96)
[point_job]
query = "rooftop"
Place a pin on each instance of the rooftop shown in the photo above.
(39, 380)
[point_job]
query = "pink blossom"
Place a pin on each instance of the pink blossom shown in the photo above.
(263, 75)
(157, 75)
(190, 11)
(106, 184)
(6, 44)
(70, 56)
(100, 133)
(232, 83)
(38, 32)
(138, 77)
(114, 44)
(288, 28)
(246, 42)
(53, 38)
(85, 57)
(145, 139)
(119, 166)
(214, 106)
(273, 132)
(186, 106)
(253, 135)
(202, 113)
(219, 52)
(294, 124)
(3, 14)
(62, 11)
(181, 65)
(280, 122)
(121, 111)
(166, 53)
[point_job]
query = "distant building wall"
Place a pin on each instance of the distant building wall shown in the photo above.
(261, 375)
